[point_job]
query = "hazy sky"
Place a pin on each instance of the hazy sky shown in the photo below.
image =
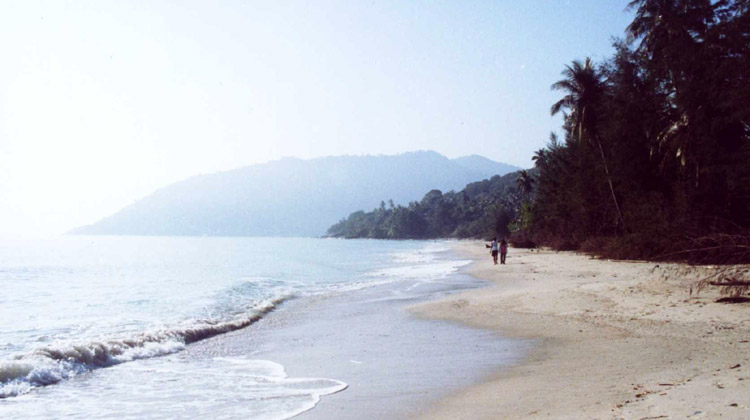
(103, 102)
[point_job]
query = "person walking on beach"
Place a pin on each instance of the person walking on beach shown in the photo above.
(503, 251)
(494, 250)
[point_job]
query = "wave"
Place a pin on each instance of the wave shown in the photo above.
(49, 365)
(421, 272)
(427, 254)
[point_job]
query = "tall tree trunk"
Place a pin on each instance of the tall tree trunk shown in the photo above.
(609, 181)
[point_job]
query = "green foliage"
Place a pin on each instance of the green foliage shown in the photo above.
(656, 150)
(481, 210)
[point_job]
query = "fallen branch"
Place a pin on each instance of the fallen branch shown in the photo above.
(730, 283)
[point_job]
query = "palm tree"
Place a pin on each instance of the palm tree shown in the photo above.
(585, 89)
(671, 34)
(540, 158)
(525, 183)
(554, 141)
(666, 25)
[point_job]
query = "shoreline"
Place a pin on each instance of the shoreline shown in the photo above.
(613, 339)
(395, 365)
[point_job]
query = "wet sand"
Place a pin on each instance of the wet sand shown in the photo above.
(614, 340)
(396, 365)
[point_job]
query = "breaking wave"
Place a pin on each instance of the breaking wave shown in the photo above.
(53, 364)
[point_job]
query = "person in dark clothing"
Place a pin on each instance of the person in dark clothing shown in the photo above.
(503, 251)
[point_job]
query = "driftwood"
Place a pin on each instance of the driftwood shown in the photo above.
(739, 299)
(726, 244)
(731, 287)
(730, 283)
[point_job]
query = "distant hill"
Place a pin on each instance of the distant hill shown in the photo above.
(481, 163)
(291, 197)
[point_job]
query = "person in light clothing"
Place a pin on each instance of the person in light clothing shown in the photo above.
(494, 249)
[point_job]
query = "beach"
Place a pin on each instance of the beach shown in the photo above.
(612, 339)
(426, 330)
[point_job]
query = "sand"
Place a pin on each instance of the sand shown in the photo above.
(395, 364)
(613, 340)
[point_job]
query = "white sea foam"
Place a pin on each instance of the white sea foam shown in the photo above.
(426, 254)
(421, 265)
(265, 379)
(351, 287)
(52, 364)
(421, 272)
(218, 388)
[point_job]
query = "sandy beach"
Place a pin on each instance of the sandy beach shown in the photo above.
(396, 365)
(613, 340)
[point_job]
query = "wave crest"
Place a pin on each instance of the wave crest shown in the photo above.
(49, 365)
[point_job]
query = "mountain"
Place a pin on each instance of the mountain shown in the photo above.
(291, 197)
(481, 163)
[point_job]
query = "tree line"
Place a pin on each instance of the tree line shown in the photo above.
(654, 161)
(482, 209)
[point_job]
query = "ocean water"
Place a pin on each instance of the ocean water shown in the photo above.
(84, 319)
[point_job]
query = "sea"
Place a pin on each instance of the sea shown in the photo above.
(83, 320)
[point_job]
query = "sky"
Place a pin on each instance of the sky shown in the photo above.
(103, 102)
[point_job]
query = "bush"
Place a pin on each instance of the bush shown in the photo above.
(520, 239)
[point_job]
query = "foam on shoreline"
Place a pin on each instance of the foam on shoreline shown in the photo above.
(52, 364)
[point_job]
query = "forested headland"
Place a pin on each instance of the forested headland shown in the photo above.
(482, 209)
(652, 161)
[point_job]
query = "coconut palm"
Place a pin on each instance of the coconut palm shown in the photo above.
(525, 183)
(667, 26)
(585, 88)
(540, 158)
(672, 34)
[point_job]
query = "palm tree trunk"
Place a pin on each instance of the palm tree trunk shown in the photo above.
(609, 181)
